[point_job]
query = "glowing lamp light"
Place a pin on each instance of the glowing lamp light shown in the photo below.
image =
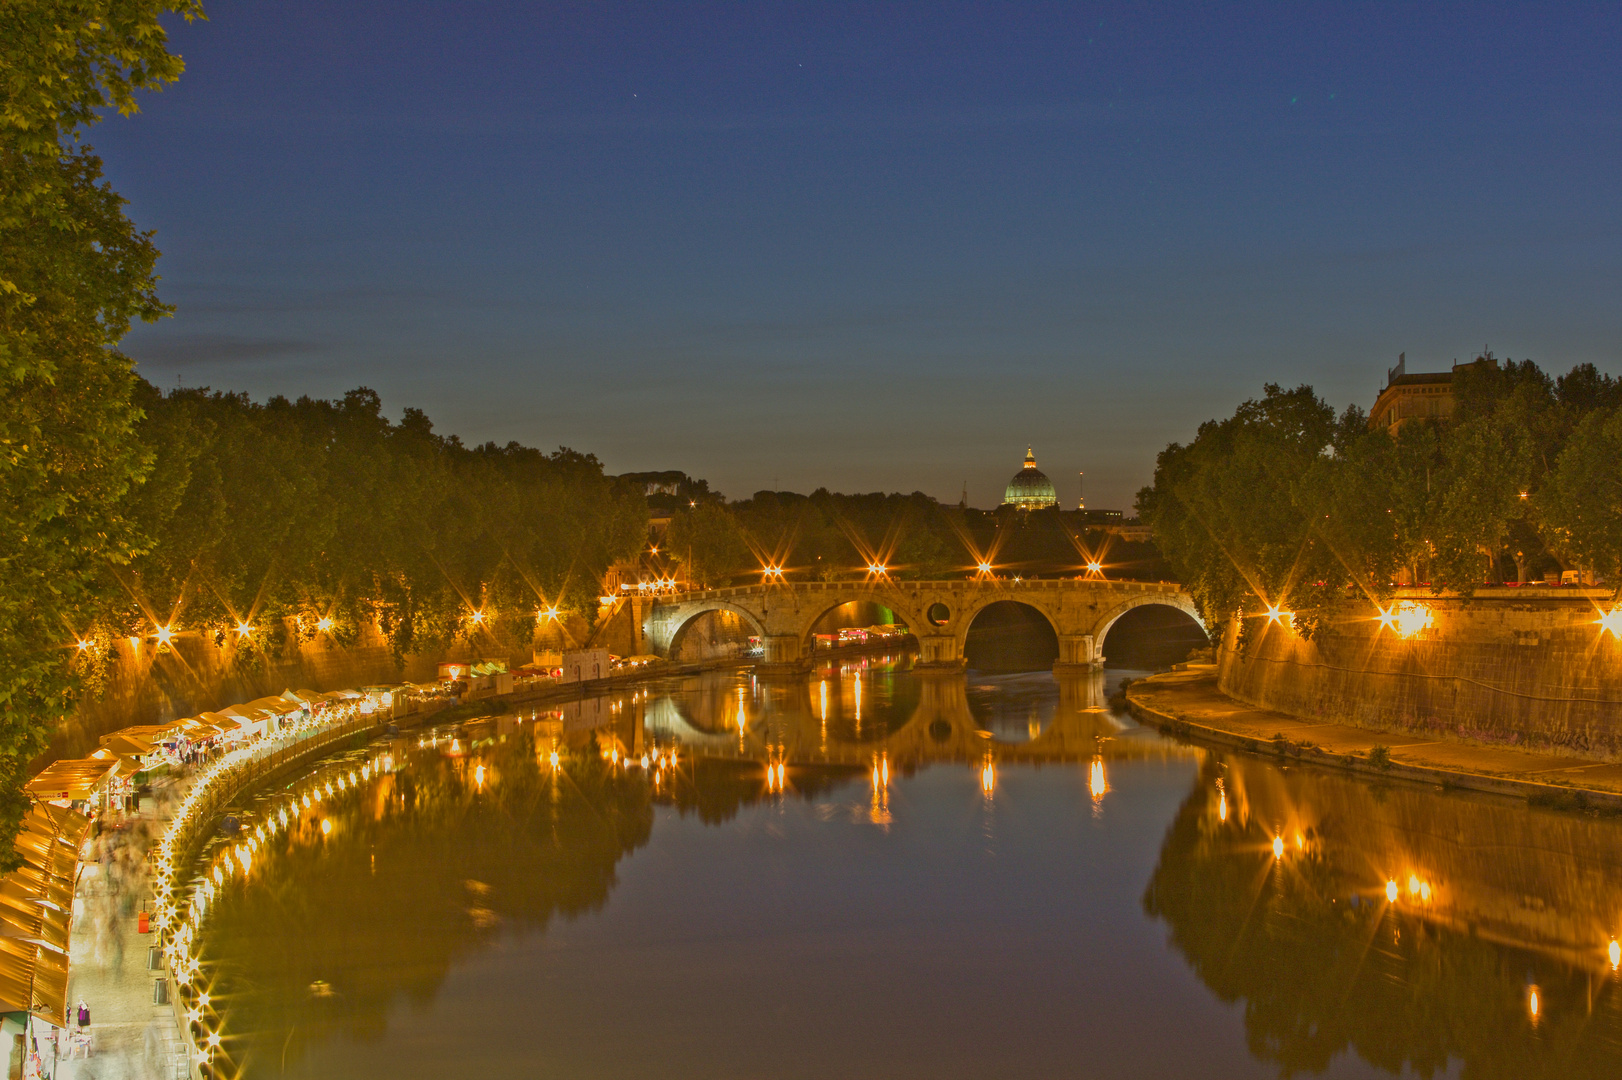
(1278, 847)
(988, 778)
(1096, 781)
(1222, 806)
(477, 617)
(1278, 615)
(1532, 1003)
(1612, 621)
(326, 826)
(244, 629)
(1615, 953)
(876, 568)
(1411, 618)
(165, 634)
(1095, 568)
(323, 624)
(84, 645)
(1391, 891)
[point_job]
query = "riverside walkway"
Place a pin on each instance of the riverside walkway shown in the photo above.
(1188, 702)
(132, 1037)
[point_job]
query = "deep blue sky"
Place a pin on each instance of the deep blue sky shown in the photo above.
(874, 246)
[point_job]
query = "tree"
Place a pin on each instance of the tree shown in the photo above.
(1581, 505)
(74, 272)
(709, 541)
(1227, 508)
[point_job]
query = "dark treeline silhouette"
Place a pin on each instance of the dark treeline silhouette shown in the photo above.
(1286, 505)
(826, 536)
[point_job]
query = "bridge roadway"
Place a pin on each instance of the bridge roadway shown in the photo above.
(939, 613)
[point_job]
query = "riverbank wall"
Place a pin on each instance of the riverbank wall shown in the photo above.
(1527, 667)
(147, 683)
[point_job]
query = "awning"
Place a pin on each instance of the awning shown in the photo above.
(78, 779)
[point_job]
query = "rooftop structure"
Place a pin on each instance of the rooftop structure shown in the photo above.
(1420, 396)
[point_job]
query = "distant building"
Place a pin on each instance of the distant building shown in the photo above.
(1101, 518)
(1420, 396)
(1030, 489)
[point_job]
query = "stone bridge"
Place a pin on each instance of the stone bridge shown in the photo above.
(939, 613)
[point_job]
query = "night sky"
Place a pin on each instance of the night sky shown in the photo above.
(874, 246)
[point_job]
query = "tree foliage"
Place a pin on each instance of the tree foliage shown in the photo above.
(74, 273)
(316, 510)
(1284, 507)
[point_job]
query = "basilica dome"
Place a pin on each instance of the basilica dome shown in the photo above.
(1030, 489)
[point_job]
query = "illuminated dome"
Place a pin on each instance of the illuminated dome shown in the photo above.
(1030, 489)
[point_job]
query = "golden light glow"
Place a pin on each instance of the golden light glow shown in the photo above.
(165, 634)
(323, 624)
(1096, 781)
(1278, 847)
(988, 778)
(135, 642)
(477, 617)
(1615, 953)
(877, 568)
(1095, 568)
(1532, 1004)
(326, 826)
(1222, 806)
(244, 629)
(771, 572)
(1277, 615)
(985, 568)
(1409, 618)
(1391, 891)
(554, 759)
(1612, 621)
(478, 777)
(83, 645)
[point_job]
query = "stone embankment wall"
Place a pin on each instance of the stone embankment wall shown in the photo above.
(192, 674)
(1527, 667)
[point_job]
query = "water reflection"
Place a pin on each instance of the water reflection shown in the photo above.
(1410, 927)
(407, 872)
(1362, 929)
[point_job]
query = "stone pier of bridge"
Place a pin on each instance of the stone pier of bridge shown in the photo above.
(939, 614)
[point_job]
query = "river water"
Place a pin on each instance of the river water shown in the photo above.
(947, 877)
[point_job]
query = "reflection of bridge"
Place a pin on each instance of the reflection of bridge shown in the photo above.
(789, 721)
(939, 613)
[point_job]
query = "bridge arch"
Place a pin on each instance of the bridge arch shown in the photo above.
(964, 619)
(1029, 639)
(888, 599)
(663, 632)
(1178, 601)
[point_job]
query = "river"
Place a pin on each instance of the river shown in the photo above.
(876, 873)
